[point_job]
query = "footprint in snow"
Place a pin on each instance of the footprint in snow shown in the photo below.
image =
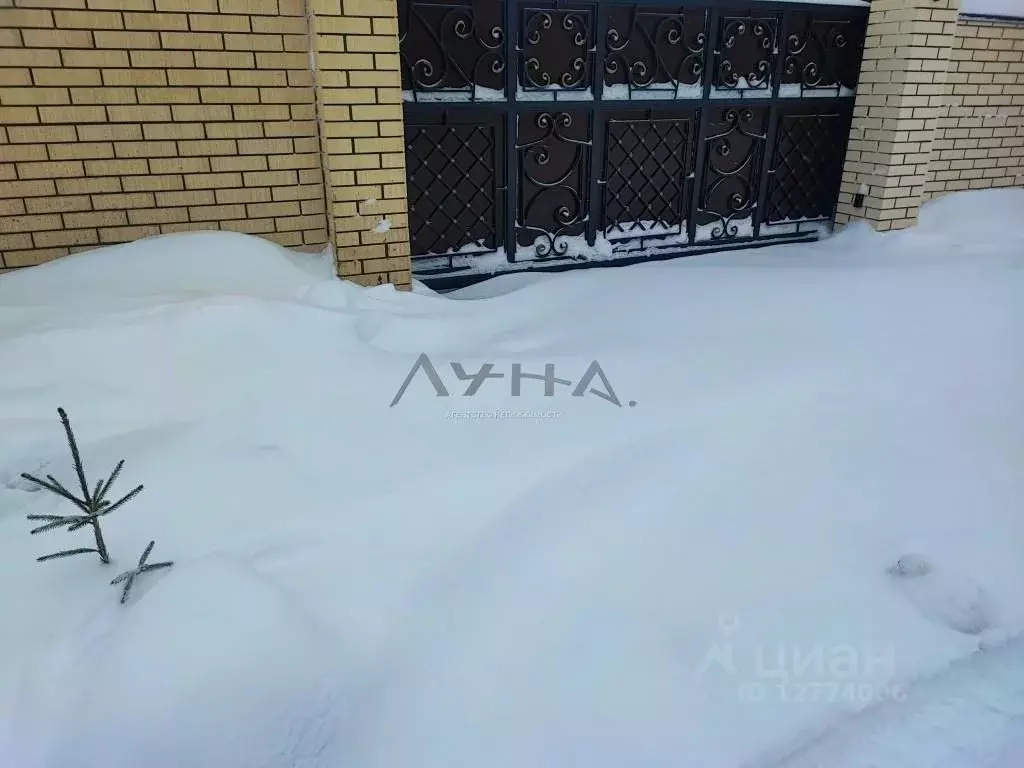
(942, 596)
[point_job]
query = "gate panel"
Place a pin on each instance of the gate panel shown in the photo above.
(454, 166)
(554, 166)
(452, 51)
(805, 171)
(655, 52)
(822, 54)
(733, 150)
(555, 132)
(647, 176)
(556, 41)
(744, 63)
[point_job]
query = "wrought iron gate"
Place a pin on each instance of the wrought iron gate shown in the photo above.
(544, 133)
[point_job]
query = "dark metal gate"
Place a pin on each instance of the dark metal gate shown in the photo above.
(551, 134)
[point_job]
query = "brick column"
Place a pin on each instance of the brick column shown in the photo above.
(899, 102)
(359, 100)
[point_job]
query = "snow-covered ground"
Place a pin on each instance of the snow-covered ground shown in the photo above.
(796, 539)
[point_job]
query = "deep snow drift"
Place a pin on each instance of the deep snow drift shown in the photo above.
(807, 503)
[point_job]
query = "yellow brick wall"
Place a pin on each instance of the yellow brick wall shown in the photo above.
(979, 138)
(126, 118)
(360, 101)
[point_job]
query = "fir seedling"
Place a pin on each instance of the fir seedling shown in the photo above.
(92, 504)
(128, 577)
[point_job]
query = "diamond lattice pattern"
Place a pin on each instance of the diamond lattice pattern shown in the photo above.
(451, 178)
(645, 172)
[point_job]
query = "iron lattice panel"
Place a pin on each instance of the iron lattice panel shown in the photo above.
(807, 166)
(645, 175)
(452, 186)
(534, 129)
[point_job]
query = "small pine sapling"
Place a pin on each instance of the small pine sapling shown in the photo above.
(93, 504)
(128, 577)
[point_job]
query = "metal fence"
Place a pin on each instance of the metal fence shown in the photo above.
(553, 134)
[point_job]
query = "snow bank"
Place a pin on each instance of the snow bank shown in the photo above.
(237, 679)
(699, 575)
(962, 215)
(184, 264)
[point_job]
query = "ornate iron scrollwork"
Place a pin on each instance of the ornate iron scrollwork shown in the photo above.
(732, 169)
(556, 50)
(655, 51)
(554, 162)
(822, 53)
(746, 53)
(447, 49)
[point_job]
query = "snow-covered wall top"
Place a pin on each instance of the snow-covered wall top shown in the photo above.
(1012, 8)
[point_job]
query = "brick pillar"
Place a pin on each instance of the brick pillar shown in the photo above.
(899, 102)
(359, 100)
